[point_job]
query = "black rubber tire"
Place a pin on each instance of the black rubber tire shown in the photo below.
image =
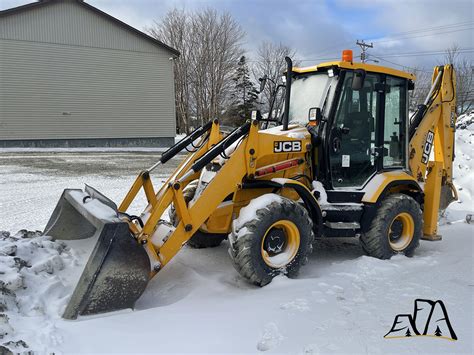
(245, 250)
(375, 241)
(206, 240)
(200, 239)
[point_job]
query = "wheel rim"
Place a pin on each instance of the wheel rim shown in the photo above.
(401, 231)
(280, 244)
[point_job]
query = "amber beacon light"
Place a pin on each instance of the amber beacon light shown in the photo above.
(347, 55)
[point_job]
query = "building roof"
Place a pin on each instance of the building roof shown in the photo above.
(41, 3)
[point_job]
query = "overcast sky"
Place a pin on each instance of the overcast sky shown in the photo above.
(318, 29)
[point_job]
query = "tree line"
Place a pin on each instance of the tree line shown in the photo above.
(215, 79)
(464, 81)
(213, 76)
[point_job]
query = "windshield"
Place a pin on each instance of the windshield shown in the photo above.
(307, 91)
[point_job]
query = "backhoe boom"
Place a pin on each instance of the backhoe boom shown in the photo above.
(434, 125)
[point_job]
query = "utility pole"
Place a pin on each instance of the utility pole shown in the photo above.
(364, 46)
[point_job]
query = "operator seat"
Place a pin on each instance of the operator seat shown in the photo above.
(356, 142)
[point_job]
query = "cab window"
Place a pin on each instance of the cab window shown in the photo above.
(394, 139)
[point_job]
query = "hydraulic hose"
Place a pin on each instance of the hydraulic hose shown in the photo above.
(183, 143)
(421, 109)
(219, 148)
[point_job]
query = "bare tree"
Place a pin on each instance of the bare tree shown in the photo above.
(173, 29)
(422, 88)
(210, 46)
(217, 48)
(270, 61)
(464, 78)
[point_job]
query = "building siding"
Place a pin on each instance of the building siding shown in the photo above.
(66, 22)
(101, 82)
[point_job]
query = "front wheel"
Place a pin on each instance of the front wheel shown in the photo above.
(277, 240)
(396, 228)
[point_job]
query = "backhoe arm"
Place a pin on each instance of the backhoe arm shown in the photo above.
(434, 125)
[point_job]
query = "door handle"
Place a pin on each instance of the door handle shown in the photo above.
(336, 145)
(375, 151)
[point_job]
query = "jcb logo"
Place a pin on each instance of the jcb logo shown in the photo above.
(427, 147)
(287, 146)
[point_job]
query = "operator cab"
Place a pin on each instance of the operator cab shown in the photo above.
(360, 112)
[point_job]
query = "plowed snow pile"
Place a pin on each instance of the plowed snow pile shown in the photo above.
(32, 289)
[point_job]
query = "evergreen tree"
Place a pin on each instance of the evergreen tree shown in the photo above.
(438, 332)
(408, 334)
(244, 95)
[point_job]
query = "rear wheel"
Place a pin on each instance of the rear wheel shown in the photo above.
(277, 241)
(199, 239)
(397, 228)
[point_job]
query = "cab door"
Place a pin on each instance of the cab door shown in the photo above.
(354, 135)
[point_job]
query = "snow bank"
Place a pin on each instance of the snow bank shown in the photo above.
(463, 174)
(465, 121)
(31, 288)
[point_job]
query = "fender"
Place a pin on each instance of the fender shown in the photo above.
(372, 201)
(305, 194)
(380, 184)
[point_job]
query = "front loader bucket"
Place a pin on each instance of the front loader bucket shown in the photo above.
(118, 268)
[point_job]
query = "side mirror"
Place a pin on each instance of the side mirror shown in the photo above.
(263, 82)
(315, 116)
(358, 79)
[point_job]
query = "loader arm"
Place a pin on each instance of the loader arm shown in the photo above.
(163, 243)
(167, 194)
(434, 125)
(119, 268)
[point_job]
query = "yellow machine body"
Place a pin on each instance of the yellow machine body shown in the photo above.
(283, 161)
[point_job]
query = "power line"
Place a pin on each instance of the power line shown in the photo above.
(422, 35)
(401, 66)
(424, 53)
(426, 29)
(451, 27)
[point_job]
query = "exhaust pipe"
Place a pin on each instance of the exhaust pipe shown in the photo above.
(289, 68)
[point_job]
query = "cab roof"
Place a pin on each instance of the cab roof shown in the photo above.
(355, 65)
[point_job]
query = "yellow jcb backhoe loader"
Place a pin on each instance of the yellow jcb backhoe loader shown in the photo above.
(343, 160)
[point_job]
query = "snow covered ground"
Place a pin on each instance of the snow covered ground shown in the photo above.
(343, 301)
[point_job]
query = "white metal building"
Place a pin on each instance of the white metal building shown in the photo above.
(72, 75)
